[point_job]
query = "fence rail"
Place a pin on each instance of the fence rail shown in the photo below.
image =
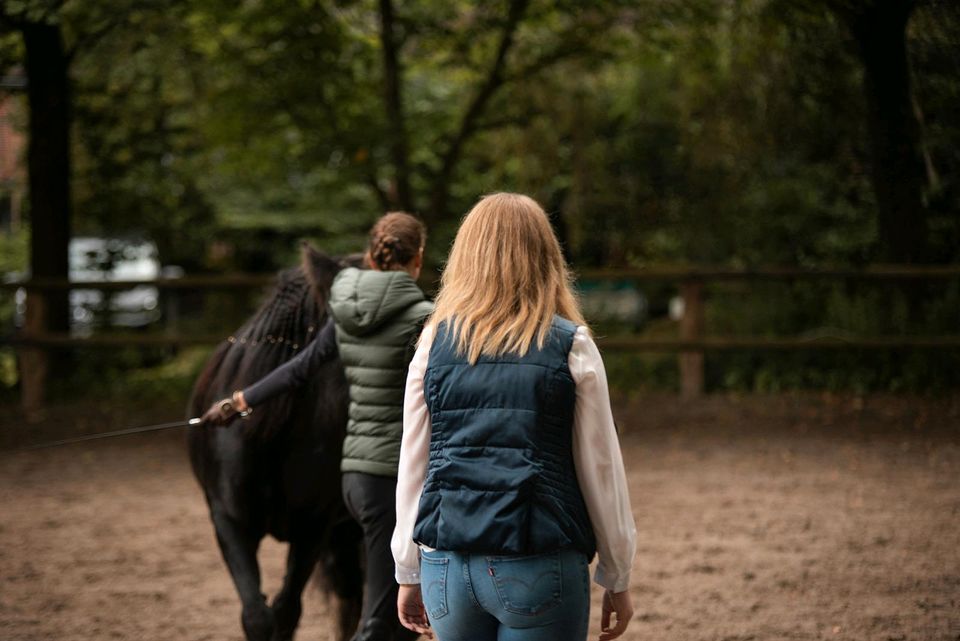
(677, 274)
(871, 272)
(34, 340)
(618, 343)
(228, 281)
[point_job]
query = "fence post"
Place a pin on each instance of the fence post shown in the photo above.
(171, 311)
(691, 328)
(34, 360)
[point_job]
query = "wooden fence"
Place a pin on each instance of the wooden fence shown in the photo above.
(34, 340)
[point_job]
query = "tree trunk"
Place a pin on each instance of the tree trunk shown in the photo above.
(494, 79)
(48, 162)
(393, 99)
(895, 149)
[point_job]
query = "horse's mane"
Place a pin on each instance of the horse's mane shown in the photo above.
(287, 321)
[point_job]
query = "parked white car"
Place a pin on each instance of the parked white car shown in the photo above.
(95, 260)
(614, 302)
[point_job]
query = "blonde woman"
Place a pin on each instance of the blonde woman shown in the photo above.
(510, 475)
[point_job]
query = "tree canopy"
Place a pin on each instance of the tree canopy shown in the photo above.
(708, 132)
(702, 131)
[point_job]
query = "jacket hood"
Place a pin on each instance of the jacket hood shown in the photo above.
(363, 300)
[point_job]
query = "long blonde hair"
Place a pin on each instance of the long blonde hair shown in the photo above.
(505, 279)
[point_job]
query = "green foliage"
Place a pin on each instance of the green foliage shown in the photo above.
(41, 11)
(932, 38)
(636, 374)
(815, 310)
(127, 374)
(692, 132)
(8, 372)
(655, 119)
(14, 248)
(13, 260)
(138, 140)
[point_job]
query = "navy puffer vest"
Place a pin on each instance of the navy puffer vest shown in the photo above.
(500, 477)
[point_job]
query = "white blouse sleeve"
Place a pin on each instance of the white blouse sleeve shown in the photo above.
(414, 452)
(599, 464)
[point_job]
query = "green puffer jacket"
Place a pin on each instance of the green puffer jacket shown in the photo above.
(378, 317)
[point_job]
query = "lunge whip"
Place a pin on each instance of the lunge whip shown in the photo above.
(130, 430)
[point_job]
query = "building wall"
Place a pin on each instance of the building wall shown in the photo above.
(12, 158)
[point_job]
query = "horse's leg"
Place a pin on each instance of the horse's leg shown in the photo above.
(239, 549)
(287, 605)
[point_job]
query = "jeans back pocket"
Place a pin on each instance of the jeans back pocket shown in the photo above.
(433, 585)
(528, 585)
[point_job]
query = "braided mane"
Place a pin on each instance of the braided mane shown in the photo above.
(286, 322)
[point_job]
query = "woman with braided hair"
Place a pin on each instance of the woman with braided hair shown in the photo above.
(376, 317)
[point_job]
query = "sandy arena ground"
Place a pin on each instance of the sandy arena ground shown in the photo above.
(786, 517)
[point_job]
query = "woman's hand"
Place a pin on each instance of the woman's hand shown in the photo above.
(619, 603)
(219, 413)
(223, 411)
(410, 610)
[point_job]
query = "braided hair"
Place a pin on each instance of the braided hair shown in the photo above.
(395, 240)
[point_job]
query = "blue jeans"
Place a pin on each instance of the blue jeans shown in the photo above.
(478, 597)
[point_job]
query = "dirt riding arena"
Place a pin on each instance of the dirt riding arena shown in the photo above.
(789, 517)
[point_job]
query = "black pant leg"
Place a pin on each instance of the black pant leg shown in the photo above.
(371, 500)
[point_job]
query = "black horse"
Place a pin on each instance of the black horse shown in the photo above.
(277, 471)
